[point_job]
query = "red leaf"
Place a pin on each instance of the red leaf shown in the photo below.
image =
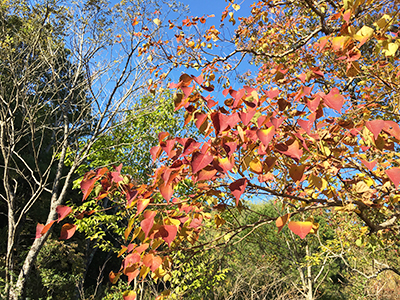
(199, 79)
(187, 90)
(190, 146)
(230, 148)
(300, 228)
(233, 119)
(151, 261)
(200, 118)
(277, 121)
(130, 196)
(247, 116)
(265, 177)
(174, 85)
(302, 77)
(226, 91)
(281, 221)
(293, 150)
(200, 161)
(195, 223)
(129, 248)
(272, 93)
(220, 121)
(87, 186)
(116, 177)
(62, 212)
(39, 228)
(155, 152)
(375, 126)
(147, 223)
(237, 188)
(394, 176)
(306, 125)
(167, 147)
(169, 233)
(313, 104)
(67, 231)
(47, 227)
(334, 100)
(129, 295)
(392, 128)
(266, 135)
(370, 165)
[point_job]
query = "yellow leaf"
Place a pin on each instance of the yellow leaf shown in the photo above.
(157, 21)
(365, 31)
(171, 221)
(391, 49)
(319, 183)
(144, 271)
(382, 22)
(256, 166)
(219, 221)
(361, 187)
(340, 42)
(236, 6)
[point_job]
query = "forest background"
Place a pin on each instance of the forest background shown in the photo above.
(149, 151)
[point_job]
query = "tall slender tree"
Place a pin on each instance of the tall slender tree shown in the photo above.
(67, 76)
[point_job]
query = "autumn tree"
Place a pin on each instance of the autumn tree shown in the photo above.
(314, 126)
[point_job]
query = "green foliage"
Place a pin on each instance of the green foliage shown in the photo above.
(129, 141)
(197, 277)
(60, 267)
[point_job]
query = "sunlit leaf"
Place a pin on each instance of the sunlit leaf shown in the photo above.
(67, 231)
(300, 228)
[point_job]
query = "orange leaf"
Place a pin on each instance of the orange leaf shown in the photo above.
(147, 223)
(300, 228)
(67, 231)
(47, 227)
(114, 277)
(166, 191)
(132, 273)
(142, 204)
(281, 221)
(151, 261)
(266, 135)
(129, 295)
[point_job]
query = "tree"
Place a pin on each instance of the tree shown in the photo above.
(60, 93)
(314, 128)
